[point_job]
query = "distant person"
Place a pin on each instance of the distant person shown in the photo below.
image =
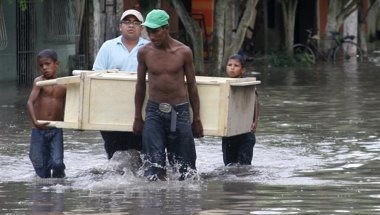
(238, 149)
(121, 53)
(167, 123)
(47, 103)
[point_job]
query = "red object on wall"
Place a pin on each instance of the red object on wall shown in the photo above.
(323, 11)
(205, 7)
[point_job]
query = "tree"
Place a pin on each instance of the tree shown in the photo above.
(148, 5)
(371, 16)
(347, 7)
(338, 13)
(218, 37)
(192, 28)
(194, 32)
(234, 42)
(372, 11)
(225, 42)
(289, 13)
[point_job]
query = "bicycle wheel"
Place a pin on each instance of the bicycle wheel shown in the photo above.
(303, 53)
(348, 52)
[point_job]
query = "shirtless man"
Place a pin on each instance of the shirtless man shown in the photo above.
(47, 103)
(167, 120)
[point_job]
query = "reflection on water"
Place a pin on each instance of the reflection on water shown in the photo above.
(317, 152)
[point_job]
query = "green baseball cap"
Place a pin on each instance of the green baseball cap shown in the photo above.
(156, 18)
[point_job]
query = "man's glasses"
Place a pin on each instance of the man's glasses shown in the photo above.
(127, 22)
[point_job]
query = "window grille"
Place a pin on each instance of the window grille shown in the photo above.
(26, 44)
(63, 18)
(3, 29)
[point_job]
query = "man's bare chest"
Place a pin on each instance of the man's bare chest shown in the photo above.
(165, 62)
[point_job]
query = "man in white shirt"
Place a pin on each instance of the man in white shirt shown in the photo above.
(121, 53)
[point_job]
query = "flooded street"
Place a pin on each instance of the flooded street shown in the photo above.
(317, 152)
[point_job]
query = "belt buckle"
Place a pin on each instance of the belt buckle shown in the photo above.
(165, 107)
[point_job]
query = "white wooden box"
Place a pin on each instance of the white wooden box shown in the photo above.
(105, 101)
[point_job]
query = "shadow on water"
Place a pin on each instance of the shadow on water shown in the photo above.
(316, 153)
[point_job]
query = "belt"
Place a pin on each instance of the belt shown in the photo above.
(167, 108)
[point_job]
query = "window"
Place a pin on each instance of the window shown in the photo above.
(62, 22)
(3, 29)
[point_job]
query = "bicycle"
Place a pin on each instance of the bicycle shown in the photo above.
(344, 49)
(347, 50)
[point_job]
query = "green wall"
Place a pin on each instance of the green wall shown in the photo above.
(8, 57)
(64, 50)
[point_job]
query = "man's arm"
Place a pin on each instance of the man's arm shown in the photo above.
(193, 93)
(140, 92)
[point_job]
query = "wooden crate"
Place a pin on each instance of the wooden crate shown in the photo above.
(105, 101)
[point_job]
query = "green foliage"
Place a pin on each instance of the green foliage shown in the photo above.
(303, 59)
(22, 3)
(282, 59)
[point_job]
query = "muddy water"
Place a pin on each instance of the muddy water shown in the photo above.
(317, 152)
